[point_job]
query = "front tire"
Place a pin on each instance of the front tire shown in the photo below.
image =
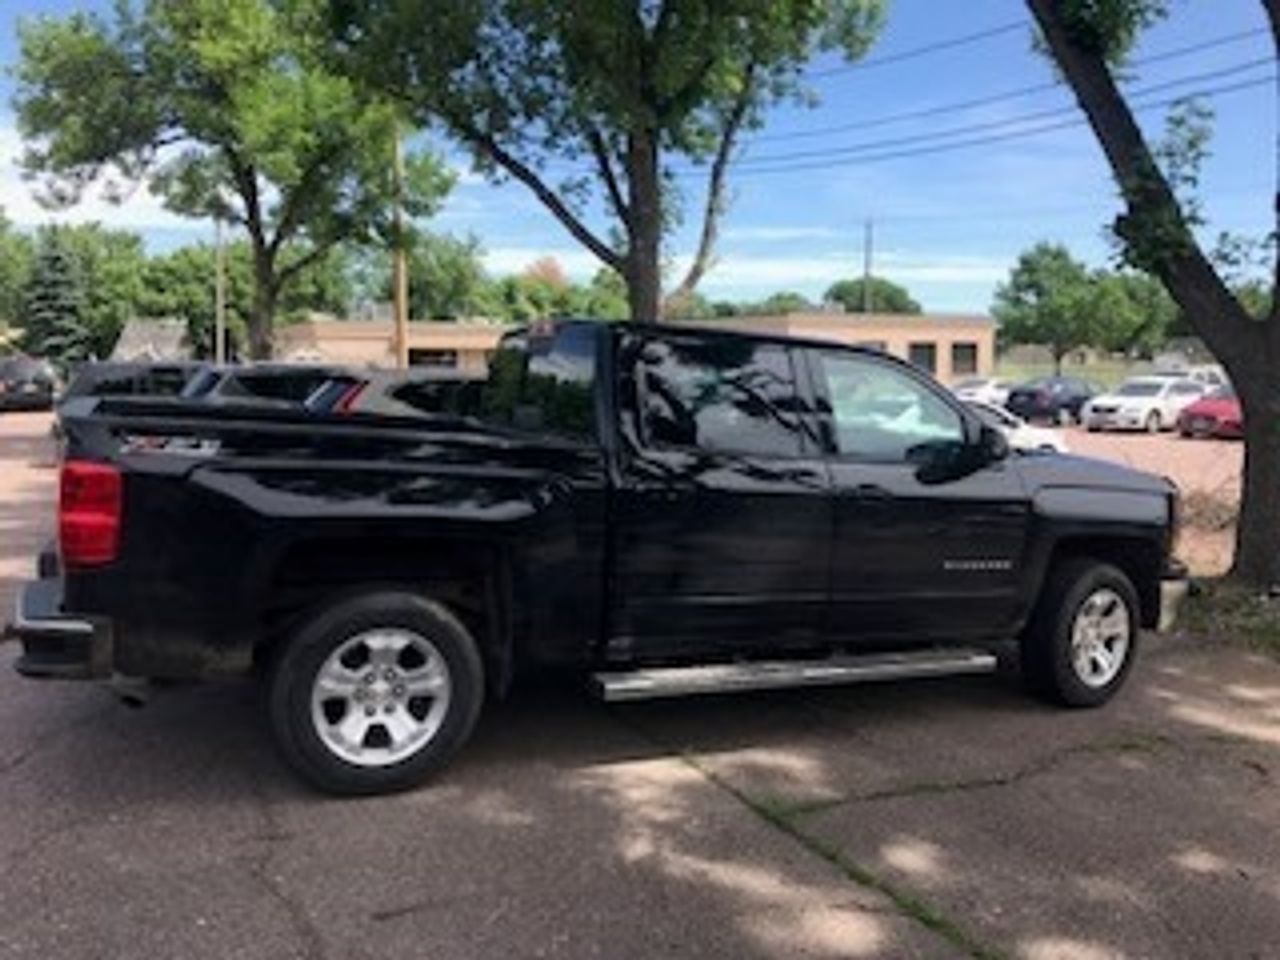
(376, 693)
(1081, 642)
(1154, 423)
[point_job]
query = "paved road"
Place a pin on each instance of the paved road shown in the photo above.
(940, 819)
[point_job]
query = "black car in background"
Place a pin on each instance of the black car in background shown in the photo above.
(131, 379)
(27, 384)
(1056, 399)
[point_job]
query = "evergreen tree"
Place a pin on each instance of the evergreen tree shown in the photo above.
(54, 322)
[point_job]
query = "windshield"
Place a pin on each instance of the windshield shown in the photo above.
(1140, 388)
(1223, 393)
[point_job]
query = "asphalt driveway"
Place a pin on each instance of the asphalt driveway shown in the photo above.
(932, 819)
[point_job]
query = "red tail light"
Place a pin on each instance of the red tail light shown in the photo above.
(89, 510)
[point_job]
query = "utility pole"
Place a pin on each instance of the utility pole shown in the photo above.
(219, 297)
(399, 268)
(868, 240)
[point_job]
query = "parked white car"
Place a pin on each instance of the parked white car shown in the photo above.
(1142, 403)
(1021, 435)
(1211, 375)
(983, 390)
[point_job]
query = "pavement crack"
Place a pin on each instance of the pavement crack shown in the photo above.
(1124, 744)
(259, 868)
(901, 901)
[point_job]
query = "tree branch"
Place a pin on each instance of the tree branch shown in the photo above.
(529, 177)
(1181, 264)
(600, 151)
(715, 195)
(312, 256)
(291, 214)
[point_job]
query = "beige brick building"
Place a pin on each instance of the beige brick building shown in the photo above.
(948, 346)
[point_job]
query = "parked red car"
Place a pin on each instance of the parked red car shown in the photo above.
(1217, 415)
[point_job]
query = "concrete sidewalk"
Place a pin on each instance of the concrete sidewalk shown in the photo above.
(938, 819)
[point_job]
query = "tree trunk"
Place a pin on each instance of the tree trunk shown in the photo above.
(644, 230)
(1156, 229)
(1257, 558)
(263, 311)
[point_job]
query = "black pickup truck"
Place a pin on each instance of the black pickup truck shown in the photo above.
(665, 509)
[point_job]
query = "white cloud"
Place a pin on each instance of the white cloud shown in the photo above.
(780, 233)
(141, 211)
(577, 262)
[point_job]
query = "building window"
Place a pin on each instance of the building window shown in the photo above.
(924, 356)
(964, 359)
(433, 358)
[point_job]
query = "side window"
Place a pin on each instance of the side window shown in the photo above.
(724, 395)
(543, 383)
(880, 412)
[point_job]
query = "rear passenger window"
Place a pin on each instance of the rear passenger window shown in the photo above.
(723, 395)
(543, 382)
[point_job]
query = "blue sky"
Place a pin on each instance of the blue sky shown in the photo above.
(949, 224)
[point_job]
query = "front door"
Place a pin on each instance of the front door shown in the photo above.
(721, 515)
(912, 557)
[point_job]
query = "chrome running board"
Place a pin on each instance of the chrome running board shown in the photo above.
(649, 684)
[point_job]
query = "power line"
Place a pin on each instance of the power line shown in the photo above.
(946, 108)
(995, 138)
(917, 52)
(869, 145)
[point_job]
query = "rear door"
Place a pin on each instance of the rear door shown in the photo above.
(722, 517)
(912, 559)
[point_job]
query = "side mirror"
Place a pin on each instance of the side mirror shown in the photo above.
(993, 446)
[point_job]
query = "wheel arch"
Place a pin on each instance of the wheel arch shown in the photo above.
(470, 578)
(1140, 559)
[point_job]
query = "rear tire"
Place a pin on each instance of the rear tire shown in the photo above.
(1083, 637)
(376, 693)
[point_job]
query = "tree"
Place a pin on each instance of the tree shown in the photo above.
(585, 103)
(180, 284)
(16, 257)
(1087, 40)
(110, 265)
(53, 320)
(224, 109)
(1134, 315)
(885, 296)
(782, 303)
(1048, 300)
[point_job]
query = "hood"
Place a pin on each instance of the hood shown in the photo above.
(1215, 407)
(1117, 400)
(1069, 470)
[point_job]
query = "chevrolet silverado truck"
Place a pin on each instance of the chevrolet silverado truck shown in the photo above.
(667, 510)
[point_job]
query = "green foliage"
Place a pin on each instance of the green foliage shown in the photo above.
(17, 254)
(180, 285)
(886, 296)
(110, 265)
(1133, 313)
(1110, 27)
(783, 302)
(223, 108)
(1048, 300)
(611, 90)
(53, 314)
